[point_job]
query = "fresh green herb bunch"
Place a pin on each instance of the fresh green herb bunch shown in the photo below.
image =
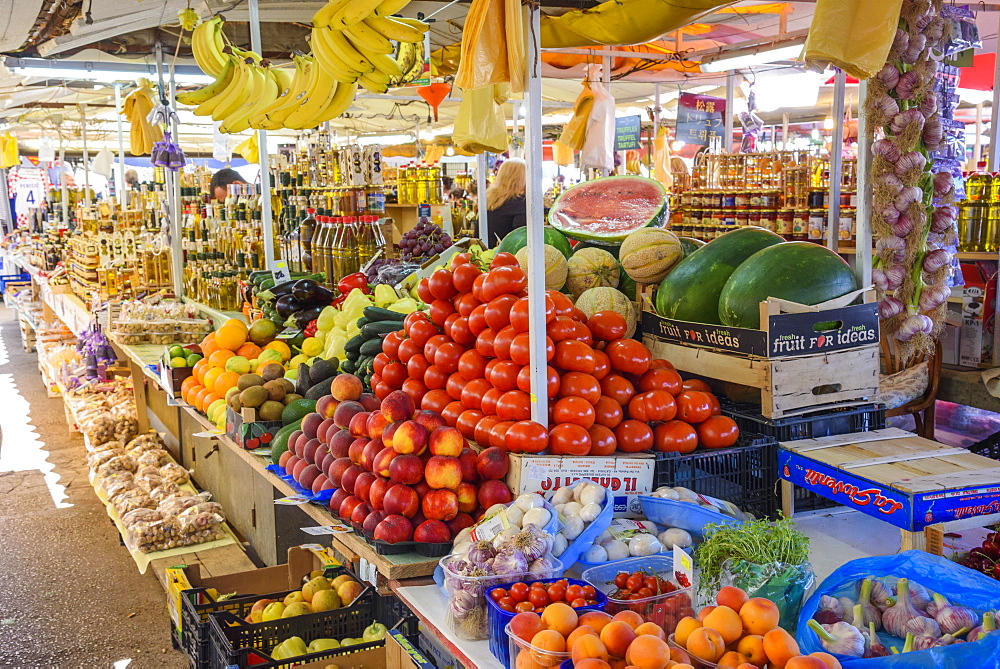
(755, 541)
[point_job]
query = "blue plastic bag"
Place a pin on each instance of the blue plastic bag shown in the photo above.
(959, 584)
(586, 538)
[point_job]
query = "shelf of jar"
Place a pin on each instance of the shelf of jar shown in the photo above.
(962, 255)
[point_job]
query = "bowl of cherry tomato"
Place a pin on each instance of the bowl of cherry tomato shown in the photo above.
(647, 585)
(503, 602)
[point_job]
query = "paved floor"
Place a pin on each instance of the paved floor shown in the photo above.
(70, 595)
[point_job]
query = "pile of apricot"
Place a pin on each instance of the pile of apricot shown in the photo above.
(743, 633)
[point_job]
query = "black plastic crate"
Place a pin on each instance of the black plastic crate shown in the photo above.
(745, 474)
(807, 500)
(394, 614)
(232, 639)
(864, 418)
(988, 447)
(195, 640)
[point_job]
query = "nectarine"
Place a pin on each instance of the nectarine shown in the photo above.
(648, 652)
(759, 616)
(706, 644)
(595, 619)
(732, 597)
(726, 622)
(780, 647)
(589, 646)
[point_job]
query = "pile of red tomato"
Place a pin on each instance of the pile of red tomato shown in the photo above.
(468, 359)
(640, 585)
(521, 597)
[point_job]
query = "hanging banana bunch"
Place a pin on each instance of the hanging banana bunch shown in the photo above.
(136, 108)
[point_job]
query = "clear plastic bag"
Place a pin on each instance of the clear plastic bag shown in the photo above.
(116, 484)
(99, 430)
(164, 491)
(784, 584)
(175, 505)
(132, 500)
(149, 481)
(174, 473)
(156, 457)
(120, 463)
(145, 442)
(98, 458)
(142, 515)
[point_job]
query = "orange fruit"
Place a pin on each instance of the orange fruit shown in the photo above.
(237, 323)
(230, 337)
(207, 401)
(211, 376)
(208, 345)
(189, 394)
(187, 383)
(224, 382)
(282, 348)
(249, 350)
(218, 359)
(199, 369)
(199, 399)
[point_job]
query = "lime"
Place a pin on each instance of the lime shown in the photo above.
(193, 358)
(292, 374)
(238, 364)
(312, 347)
(176, 351)
(178, 361)
(262, 331)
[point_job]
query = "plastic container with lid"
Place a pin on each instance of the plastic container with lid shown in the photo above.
(680, 654)
(537, 656)
(193, 325)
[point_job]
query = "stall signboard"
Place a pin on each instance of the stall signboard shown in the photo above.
(700, 118)
(628, 133)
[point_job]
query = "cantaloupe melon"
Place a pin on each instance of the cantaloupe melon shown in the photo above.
(648, 255)
(608, 299)
(591, 268)
(555, 266)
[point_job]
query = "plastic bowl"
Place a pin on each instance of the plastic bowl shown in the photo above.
(545, 658)
(679, 654)
(585, 540)
(685, 515)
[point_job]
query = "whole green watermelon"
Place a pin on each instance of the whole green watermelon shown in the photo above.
(691, 291)
(801, 272)
(517, 239)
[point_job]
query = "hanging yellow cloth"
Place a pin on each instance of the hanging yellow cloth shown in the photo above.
(142, 134)
(8, 151)
(248, 149)
(562, 154)
(574, 133)
(871, 26)
(661, 159)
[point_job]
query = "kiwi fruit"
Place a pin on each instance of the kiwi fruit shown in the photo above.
(254, 396)
(271, 410)
(233, 399)
(289, 385)
(275, 390)
(248, 381)
(272, 371)
(291, 397)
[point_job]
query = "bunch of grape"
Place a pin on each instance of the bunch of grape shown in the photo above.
(424, 241)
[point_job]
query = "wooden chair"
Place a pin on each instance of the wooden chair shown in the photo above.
(922, 408)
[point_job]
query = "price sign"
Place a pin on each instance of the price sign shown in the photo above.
(490, 527)
(289, 333)
(293, 500)
(683, 568)
(700, 118)
(280, 272)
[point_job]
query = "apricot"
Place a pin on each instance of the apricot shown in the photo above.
(682, 665)
(679, 656)
(591, 663)
(545, 646)
(526, 661)
(526, 625)
(630, 617)
(830, 660)
(618, 663)
(580, 631)
(780, 647)
(732, 597)
(726, 622)
(589, 646)
(732, 659)
(759, 616)
(651, 629)
(706, 644)
(648, 652)
(560, 617)
(753, 647)
(617, 635)
(704, 612)
(684, 628)
(596, 619)
(805, 662)
(748, 665)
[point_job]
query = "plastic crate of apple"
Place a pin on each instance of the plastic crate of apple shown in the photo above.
(400, 473)
(468, 359)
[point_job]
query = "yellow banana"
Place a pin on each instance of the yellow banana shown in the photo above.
(297, 82)
(327, 58)
(229, 74)
(323, 88)
(246, 53)
(206, 93)
(296, 96)
(352, 58)
(282, 77)
(371, 86)
(364, 37)
(354, 13)
(207, 44)
(378, 77)
(339, 103)
(238, 119)
(267, 94)
(382, 62)
(235, 94)
(390, 7)
(394, 29)
(326, 14)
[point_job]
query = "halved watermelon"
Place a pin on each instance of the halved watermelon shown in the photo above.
(607, 210)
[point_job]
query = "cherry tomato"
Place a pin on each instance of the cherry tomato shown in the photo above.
(697, 384)
(498, 311)
(634, 581)
(439, 311)
(589, 591)
(557, 592)
(607, 325)
(539, 597)
(602, 440)
(574, 592)
(574, 410)
(578, 384)
(633, 436)
(477, 320)
(496, 594)
(540, 610)
(553, 381)
(574, 356)
(498, 435)
(718, 432)
(514, 405)
(578, 602)
(621, 580)
(563, 582)
(464, 276)
(693, 406)
(618, 388)
(644, 592)
(591, 602)
(675, 436)
(602, 364)
(660, 379)
(569, 439)
(508, 604)
(519, 591)
(524, 607)
(629, 356)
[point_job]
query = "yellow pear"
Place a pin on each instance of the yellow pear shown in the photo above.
(296, 609)
(326, 600)
(293, 597)
(310, 589)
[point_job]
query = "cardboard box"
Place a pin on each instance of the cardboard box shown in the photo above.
(435, 650)
(373, 658)
(979, 298)
(247, 431)
(401, 653)
(625, 477)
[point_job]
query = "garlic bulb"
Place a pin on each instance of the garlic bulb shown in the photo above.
(923, 626)
(875, 646)
(897, 616)
(919, 595)
(989, 625)
(840, 638)
(832, 604)
(953, 618)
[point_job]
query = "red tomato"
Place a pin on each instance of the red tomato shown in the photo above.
(717, 432)
(440, 310)
(452, 412)
(467, 421)
(524, 607)
(482, 433)
(415, 388)
(458, 260)
(464, 276)
(381, 390)
(432, 345)
(424, 291)
(574, 410)
(660, 363)
(607, 325)
(502, 342)
(477, 287)
(693, 406)
(608, 412)
(553, 380)
(489, 402)
(466, 303)
(557, 592)
(435, 378)
(503, 376)
(502, 280)
(514, 405)
(407, 349)
(504, 258)
(519, 591)
(633, 436)
(394, 374)
(441, 285)
(697, 384)
(477, 320)
(447, 356)
(578, 316)
(582, 333)
(539, 597)
(602, 440)
(435, 400)
(629, 355)
(618, 388)
(390, 345)
(472, 393)
(602, 364)
(381, 360)
(484, 342)
(498, 311)
(455, 386)
(675, 436)
(560, 328)
(520, 349)
(562, 303)
(661, 379)
(653, 406)
(498, 435)
(416, 366)
(589, 591)
(716, 407)
(574, 591)
(413, 317)
(457, 328)
(578, 384)
(519, 313)
(496, 594)
(472, 365)
(574, 356)
(508, 604)
(569, 439)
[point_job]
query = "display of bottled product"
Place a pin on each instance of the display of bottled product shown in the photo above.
(419, 184)
(979, 213)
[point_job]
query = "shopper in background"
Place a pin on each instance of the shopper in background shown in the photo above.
(221, 180)
(457, 195)
(505, 203)
(132, 179)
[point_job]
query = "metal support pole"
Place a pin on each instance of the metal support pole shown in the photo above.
(727, 140)
(484, 226)
(535, 210)
(784, 132)
(63, 188)
(120, 186)
(863, 227)
(86, 154)
(836, 162)
(977, 151)
(606, 64)
(262, 155)
(995, 120)
(176, 221)
(173, 202)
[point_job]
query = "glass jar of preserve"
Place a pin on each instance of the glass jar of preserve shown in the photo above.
(800, 225)
(817, 225)
(769, 219)
(786, 218)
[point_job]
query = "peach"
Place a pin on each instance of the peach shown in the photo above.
(759, 616)
(617, 635)
(468, 460)
(591, 663)
(401, 500)
(732, 659)
(338, 497)
(340, 442)
(376, 494)
(526, 625)
(467, 500)
(346, 387)
(780, 647)
(805, 662)
(684, 628)
(345, 411)
(347, 507)
(360, 513)
(372, 521)
(371, 451)
(648, 652)
(560, 617)
(442, 472)
(359, 424)
(440, 505)
(377, 422)
(432, 420)
(370, 402)
(389, 432)
(383, 460)
(589, 646)
(704, 612)
(492, 463)
(308, 475)
(752, 646)
(630, 617)
(300, 467)
(726, 622)
(301, 439)
(326, 428)
(394, 529)
(326, 406)
(285, 457)
(336, 470)
(406, 469)
(397, 405)
(830, 661)
(576, 634)
(706, 644)
(446, 441)
(410, 437)
(357, 448)
(732, 597)
(349, 478)
(549, 641)
(494, 492)
(363, 485)
(651, 629)
(595, 619)
(310, 424)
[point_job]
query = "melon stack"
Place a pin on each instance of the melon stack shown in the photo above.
(647, 255)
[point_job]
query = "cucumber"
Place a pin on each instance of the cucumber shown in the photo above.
(380, 314)
(349, 366)
(280, 443)
(354, 344)
(372, 347)
(362, 322)
(378, 329)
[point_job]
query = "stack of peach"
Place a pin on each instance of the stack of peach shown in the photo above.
(743, 633)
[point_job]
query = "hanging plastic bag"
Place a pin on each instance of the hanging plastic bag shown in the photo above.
(784, 584)
(8, 151)
(484, 46)
(599, 146)
(871, 26)
(574, 133)
(480, 124)
(562, 154)
(960, 585)
(102, 163)
(661, 159)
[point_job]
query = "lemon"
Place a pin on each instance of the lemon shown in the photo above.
(177, 362)
(254, 364)
(214, 408)
(238, 364)
(193, 358)
(312, 347)
(176, 351)
(294, 362)
(270, 355)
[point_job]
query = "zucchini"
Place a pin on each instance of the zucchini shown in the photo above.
(379, 329)
(349, 366)
(372, 347)
(354, 344)
(380, 314)
(362, 322)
